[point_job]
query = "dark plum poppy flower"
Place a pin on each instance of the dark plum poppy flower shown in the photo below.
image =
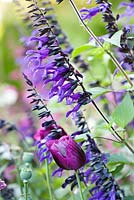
(41, 133)
(66, 153)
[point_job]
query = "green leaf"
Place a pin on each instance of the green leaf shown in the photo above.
(81, 49)
(98, 91)
(119, 159)
(129, 198)
(115, 39)
(80, 138)
(124, 112)
(117, 169)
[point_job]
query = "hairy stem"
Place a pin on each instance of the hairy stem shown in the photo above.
(18, 178)
(79, 184)
(91, 33)
(115, 61)
(26, 189)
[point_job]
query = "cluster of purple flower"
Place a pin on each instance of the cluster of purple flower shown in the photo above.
(105, 8)
(50, 64)
(47, 62)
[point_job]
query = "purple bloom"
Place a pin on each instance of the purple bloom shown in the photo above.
(108, 17)
(66, 153)
(127, 4)
(105, 187)
(129, 9)
(44, 135)
(2, 184)
(89, 13)
(48, 64)
(83, 100)
(58, 171)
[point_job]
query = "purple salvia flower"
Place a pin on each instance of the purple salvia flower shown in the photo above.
(129, 12)
(108, 17)
(55, 68)
(58, 171)
(89, 13)
(2, 184)
(105, 186)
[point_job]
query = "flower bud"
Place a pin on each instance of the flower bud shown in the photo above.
(27, 157)
(66, 153)
(26, 173)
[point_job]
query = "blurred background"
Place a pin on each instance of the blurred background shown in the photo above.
(14, 106)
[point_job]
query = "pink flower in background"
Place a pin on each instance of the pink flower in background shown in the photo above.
(42, 133)
(9, 172)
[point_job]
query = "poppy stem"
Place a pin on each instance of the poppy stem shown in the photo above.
(48, 180)
(79, 184)
(26, 189)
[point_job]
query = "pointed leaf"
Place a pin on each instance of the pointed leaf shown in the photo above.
(124, 112)
(115, 39)
(81, 49)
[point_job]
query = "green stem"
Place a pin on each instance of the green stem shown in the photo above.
(26, 189)
(18, 179)
(91, 33)
(48, 181)
(79, 184)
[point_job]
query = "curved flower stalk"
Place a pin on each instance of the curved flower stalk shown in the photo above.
(105, 8)
(127, 49)
(91, 33)
(105, 186)
(57, 30)
(108, 17)
(63, 79)
(98, 173)
(53, 138)
(112, 27)
(62, 37)
(51, 65)
(59, 146)
(95, 170)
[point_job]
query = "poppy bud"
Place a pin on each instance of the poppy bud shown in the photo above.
(49, 133)
(66, 153)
